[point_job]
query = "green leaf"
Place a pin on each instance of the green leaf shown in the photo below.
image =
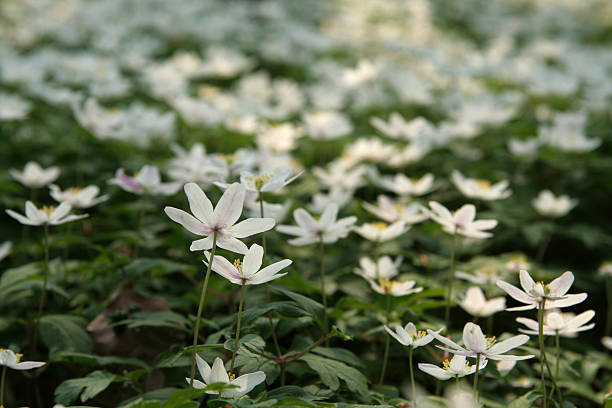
(312, 308)
(83, 358)
(88, 387)
(331, 371)
(163, 318)
(169, 360)
(184, 398)
(65, 333)
(525, 401)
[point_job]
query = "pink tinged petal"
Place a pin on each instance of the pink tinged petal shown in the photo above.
(457, 364)
(329, 216)
(168, 188)
(197, 384)
(509, 344)
(251, 226)
(218, 373)
(225, 268)
(203, 244)
(287, 229)
(148, 176)
(516, 293)
(446, 341)
(473, 338)
(531, 324)
(229, 207)
(203, 368)
(69, 219)
(27, 365)
(561, 285)
(232, 244)
(199, 204)
(188, 221)
(400, 335)
(440, 210)
(581, 319)
(22, 219)
(465, 215)
(61, 211)
(522, 308)
(249, 381)
(252, 260)
(303, 240)
(305, 220)
(270, 272)
(435, 371)
(568, 300)
(508, 357)
(484, 224)
(526, 281)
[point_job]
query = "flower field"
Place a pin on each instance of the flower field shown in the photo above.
(257, 203)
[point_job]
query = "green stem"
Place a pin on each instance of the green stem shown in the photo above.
(261, 214)
(238, 326)
(609, 301)
(196, 330)
(543, 247)
(412, 377)
(542, 352)
(557, 356)
(43, 295)
(387, 341)
(550, 374)
(322, 252)
(140, 223)
(2, 386)
(475, 390)
(451, 278)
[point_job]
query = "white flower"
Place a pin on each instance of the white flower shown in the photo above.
(405, 186)
(34, 176)
(562, 324)
(477, 344)
(247, 272)
(550, 206)
(13, 107)
(364, 149)
(310, 230)
(607, 342)
(391, 211)
(505, 366)
(338, 175)
(271, 210)
(217, 374)
(523, 148)
(480, 189)
(279, 138)
(394, 288)
(385, 267)
(77, 197)
(46, 215)
(221, 219)
(146, 181)
(395, 128)
(534, 293)
(475, 303)
(11, 360)
(326, 125)
(5, 249)
(457, 367)
(196, 166)
(336, 195)
(409, 336)
(462, 221)
(267, 181)
(381, 232)
(605, 269)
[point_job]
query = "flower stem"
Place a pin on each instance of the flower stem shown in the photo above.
(557, 356)
(543, 357)
(609, 300)
(43, 295)
(412, 376)
(196, 330)
(2, 386)
(475, 390)
(451, 278)
(542, 352)
(238, 326)
(387, 340)
(322, 252)
(263, 239)
(140, 224)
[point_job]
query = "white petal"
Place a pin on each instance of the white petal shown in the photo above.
(218, 373)
(249, 381)
(252, 260)
(199, 204)
(435, 371)
(509, 344)
(270, 272)
(473, 338)
(561, 285)
(232, 244)
(188, 221)
(229, 207)
(251, 226)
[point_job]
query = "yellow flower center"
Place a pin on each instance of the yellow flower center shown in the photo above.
(386, 285)
(238, 265)
(380, 225)
(419, 334)
(229, 158)
(231, 376)
(48, 209)
(398, 207)
(446, 364)
(74, 190)
(258, 181)
(484, 184)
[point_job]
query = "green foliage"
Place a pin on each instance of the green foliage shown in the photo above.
(88, 387)
(65, 333)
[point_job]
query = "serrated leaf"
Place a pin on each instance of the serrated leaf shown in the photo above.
(88, 387)
(83, 358)
(65, 333)
(331, 371)
(312, 308)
